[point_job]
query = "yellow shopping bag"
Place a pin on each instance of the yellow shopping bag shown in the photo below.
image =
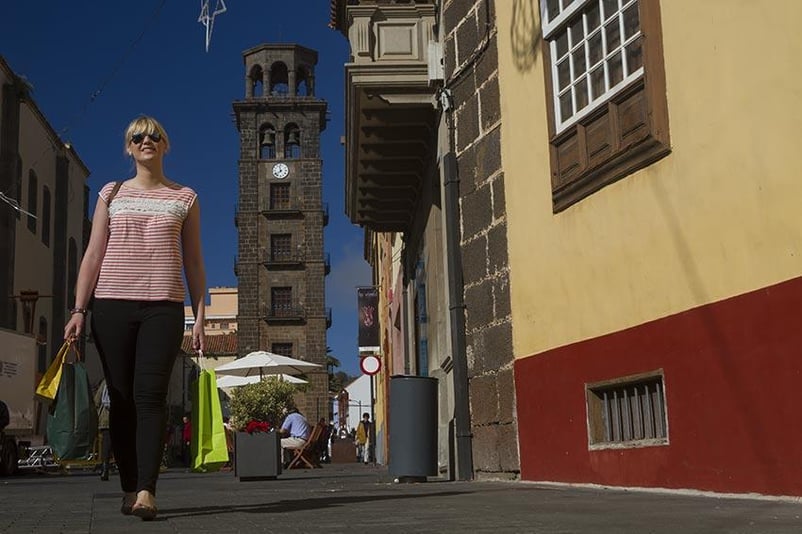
(48, 385)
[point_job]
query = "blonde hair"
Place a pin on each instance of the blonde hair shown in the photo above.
(146, 125)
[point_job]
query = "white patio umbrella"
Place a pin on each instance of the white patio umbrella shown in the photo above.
(230, 381)
(262, 363)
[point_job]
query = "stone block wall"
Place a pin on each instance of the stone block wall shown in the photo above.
(248, 248)
(471, 72)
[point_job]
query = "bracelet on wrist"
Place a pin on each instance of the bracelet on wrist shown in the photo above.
(82, 311)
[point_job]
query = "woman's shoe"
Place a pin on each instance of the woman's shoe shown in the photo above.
(104, 473)
(126, 508)
(144, 512)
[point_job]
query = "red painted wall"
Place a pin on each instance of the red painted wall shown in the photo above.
(733, 381)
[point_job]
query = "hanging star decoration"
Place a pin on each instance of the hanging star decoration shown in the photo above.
(208, 20)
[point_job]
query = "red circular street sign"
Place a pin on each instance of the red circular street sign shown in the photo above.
(370, 365)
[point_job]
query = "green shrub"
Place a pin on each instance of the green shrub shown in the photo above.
(262, 401)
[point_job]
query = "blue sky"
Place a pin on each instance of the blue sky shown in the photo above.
(96, 65)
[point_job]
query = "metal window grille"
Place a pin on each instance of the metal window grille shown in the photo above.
(596, 50)
(281, 247)
(279, 196)
(281, 301)
(628, 412)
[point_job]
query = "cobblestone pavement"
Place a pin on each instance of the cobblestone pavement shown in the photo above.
(358, 498)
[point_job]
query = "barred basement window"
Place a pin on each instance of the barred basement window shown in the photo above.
(630, 411)
(605, 81)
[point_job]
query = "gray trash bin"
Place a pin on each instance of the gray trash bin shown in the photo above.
(413, 427)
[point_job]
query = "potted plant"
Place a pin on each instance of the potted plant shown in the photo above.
(256, 412)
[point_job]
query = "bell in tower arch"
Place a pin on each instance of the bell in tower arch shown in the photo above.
(292, 144)
(268, 137)
(267, 143)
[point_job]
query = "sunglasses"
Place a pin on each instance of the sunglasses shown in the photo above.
(137, 138)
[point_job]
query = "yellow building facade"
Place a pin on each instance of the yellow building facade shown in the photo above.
(673, 285)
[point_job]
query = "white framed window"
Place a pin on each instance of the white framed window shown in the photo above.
(595, 49)
(605, 91)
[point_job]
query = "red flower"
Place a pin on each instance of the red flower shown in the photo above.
(257, 426)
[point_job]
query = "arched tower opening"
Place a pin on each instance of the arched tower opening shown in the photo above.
(292, 141)
(267, 141)
(279, 79)
(303, 82)
(256, 81)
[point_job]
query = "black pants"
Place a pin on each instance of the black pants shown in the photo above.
(138, 342)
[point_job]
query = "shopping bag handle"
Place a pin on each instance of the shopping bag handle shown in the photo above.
(69, 343)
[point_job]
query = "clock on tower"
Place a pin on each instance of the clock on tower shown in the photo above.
(280, 170)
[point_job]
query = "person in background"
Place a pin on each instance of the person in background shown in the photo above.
(145, 238)
(186, 440)
(323, 453)
(363, 438)
(102, 403)
(229, 430)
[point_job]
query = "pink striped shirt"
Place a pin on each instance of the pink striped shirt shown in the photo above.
(144, 257)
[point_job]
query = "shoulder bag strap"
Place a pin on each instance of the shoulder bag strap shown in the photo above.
(116, 188)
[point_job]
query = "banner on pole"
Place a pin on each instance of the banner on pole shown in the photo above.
(368, 305)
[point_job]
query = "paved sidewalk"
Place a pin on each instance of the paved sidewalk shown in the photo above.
(357, 498)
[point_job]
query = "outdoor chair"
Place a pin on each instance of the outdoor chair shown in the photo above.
(305, 456)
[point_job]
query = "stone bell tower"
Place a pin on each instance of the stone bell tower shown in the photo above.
(281, 264)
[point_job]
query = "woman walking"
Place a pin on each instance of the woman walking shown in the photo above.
(145, 231)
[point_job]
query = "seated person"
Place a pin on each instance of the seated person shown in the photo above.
(294, 431)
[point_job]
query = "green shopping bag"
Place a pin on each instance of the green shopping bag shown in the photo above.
(208, 444)
(72, 420)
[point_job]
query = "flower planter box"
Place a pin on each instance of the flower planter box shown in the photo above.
(257, 456)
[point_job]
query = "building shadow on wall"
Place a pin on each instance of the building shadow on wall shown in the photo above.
(525, 34)
(725, 349)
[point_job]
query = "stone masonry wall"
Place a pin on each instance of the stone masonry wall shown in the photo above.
(471, 72)
(308, 336)
(248, 250)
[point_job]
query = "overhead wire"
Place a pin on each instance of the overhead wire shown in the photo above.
(14, 203)
(154, 16)
(97, 92)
